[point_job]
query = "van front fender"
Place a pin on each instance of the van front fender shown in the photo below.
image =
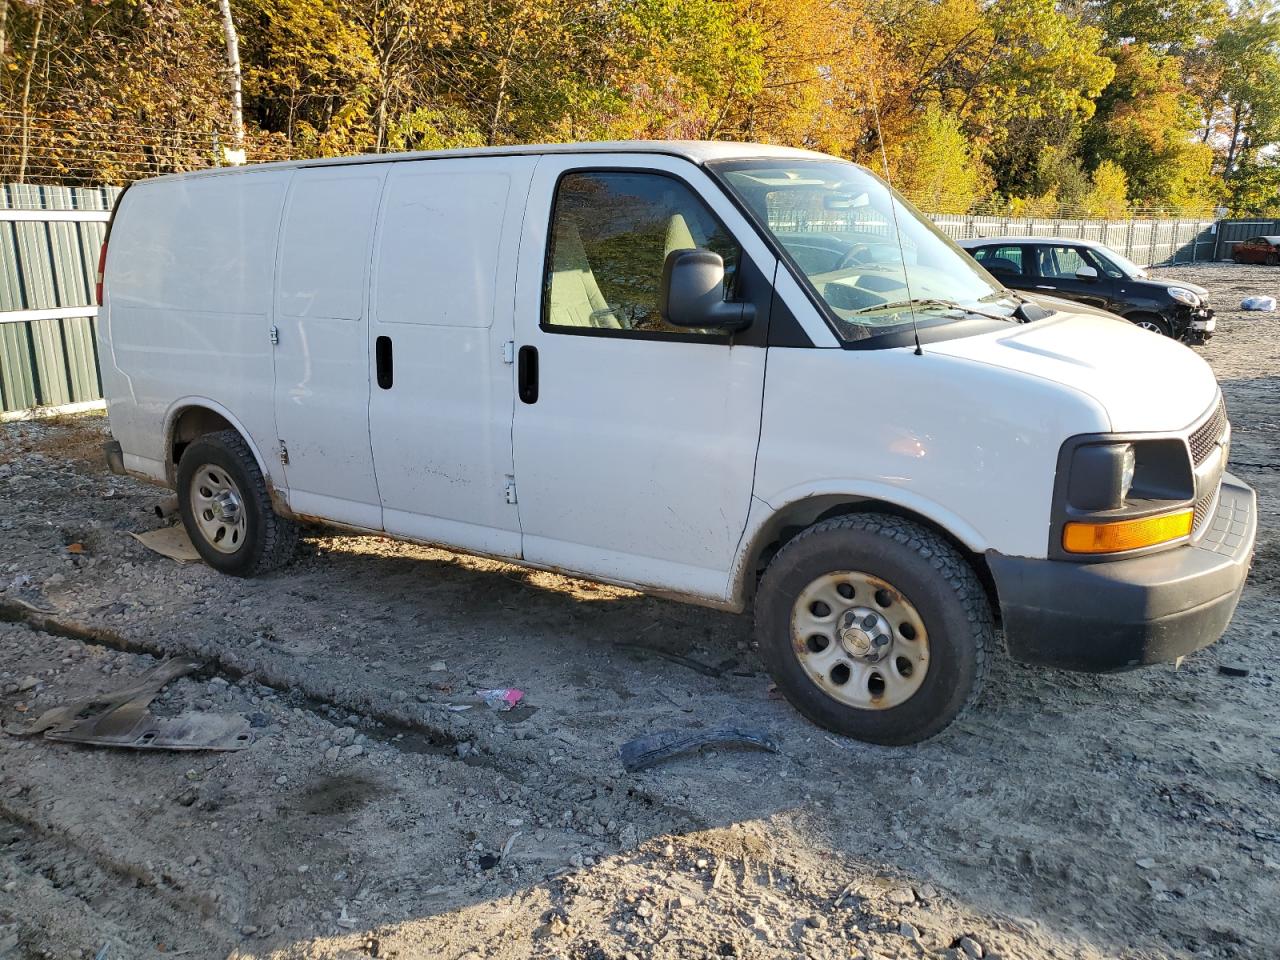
(803, 505)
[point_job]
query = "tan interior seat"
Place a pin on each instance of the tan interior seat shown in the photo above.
(679, 236)
(576, 300)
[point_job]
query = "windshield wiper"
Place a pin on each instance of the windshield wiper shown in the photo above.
(931, 302)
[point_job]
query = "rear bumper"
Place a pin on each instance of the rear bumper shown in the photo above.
(1125, 613)
(115, 457)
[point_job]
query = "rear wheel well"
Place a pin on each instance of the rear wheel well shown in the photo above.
(191, 424)
(798, 517)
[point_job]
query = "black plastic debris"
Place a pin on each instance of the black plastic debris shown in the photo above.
(656, 747)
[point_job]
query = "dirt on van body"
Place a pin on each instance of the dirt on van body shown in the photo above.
(1068, 816)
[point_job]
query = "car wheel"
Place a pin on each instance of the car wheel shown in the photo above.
(1155, 324)
(1272, 259)
(874, 627)
(222, 497)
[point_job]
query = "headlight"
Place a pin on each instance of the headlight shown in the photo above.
(1102, 476)
(1183, 295)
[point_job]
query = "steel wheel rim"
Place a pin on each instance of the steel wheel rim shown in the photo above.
(217, 507)
(1149, 325)
(860, 640)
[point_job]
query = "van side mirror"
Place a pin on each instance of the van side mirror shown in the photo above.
(1088, 274)
(692, 293)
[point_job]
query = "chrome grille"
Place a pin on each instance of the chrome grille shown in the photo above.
(1206, 436)
(1201, 510)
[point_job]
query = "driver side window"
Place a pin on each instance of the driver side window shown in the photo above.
(611, 233)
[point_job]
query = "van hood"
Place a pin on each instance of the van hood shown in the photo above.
(1144, 381)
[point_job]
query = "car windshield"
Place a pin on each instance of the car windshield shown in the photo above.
(1122, 263)
(836, 221)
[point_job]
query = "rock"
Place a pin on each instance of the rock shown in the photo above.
(399, 696)
(908, 931)
(281, 780)
(1208, 872)
(27, 683)
(972, 948)
(352, 751)
(463, 750)
(1146, 863)
(437, 667)
(332, 753)
(344, 735)
(816, 921)
(901, 896)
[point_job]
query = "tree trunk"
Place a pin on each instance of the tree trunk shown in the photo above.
(1236, 127)
(4, 36)
(26, 94)
(233, 73)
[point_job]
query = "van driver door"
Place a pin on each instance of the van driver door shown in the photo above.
(635, 441)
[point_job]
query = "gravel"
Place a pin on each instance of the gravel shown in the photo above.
(1016, 834)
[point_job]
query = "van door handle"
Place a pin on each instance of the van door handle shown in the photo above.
(382, 358)
(527, 374)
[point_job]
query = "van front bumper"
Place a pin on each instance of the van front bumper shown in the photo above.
(1119, 614)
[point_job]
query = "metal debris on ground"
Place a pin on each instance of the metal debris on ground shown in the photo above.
(1263, 304)
(171, 542)
(1230, 671)
(706, 669)
(654, 748)
(119, 718)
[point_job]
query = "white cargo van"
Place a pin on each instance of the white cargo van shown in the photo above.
(731, 374)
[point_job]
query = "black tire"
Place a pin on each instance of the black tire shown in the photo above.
(1272, 259)
(928, 572)
(1160, 324)
(269, 540)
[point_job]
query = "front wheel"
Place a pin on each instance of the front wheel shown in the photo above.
(223, 499)
(1152, 323)
(874, 627)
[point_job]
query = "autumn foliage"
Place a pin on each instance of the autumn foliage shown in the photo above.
(1025, 106)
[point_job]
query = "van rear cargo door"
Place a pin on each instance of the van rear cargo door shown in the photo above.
(442, 387)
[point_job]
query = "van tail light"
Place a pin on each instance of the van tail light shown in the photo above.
(102, 269)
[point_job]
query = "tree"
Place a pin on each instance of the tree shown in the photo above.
(401, 36)
(1145, 123)
(936, 167)
(1107, 198)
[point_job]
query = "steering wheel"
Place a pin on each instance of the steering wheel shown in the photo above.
(857, 255)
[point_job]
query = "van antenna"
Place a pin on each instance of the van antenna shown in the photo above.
(893, 203)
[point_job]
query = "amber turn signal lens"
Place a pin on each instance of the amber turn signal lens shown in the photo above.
(1121, 535)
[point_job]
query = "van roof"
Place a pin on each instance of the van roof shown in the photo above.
(698, 151)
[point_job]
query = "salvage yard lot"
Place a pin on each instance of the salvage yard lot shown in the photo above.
(1067, 816)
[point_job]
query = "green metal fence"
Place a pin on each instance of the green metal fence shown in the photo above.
(49, 243)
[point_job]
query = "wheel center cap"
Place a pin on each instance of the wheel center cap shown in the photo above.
(856, 641)
(853, 634)
(228, 507)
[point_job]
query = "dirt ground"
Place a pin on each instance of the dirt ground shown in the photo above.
(1068, 816)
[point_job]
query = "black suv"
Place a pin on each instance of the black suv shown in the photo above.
(1093, 274)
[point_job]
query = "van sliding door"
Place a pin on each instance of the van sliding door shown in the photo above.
(442, 393)
(321, 373)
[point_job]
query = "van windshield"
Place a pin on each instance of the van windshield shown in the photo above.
(836, 222)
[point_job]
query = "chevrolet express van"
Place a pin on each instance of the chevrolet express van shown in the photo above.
(738, 375)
